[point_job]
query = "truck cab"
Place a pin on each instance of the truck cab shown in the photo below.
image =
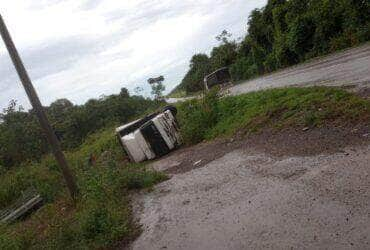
(150, 137)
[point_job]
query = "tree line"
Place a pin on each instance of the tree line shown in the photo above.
(21, 138)
(283, 33)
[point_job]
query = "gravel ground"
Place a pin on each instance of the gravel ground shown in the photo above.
(259, 193)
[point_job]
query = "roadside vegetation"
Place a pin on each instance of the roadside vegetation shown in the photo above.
(22, 140)
(100, 218)
(303, 108)
(281, 34)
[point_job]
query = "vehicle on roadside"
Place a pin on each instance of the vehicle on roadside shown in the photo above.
(221, 77)
(150, 137)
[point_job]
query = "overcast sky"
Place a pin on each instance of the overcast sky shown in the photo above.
(81, 49)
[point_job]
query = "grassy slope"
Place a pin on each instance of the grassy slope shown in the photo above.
(277, 108)
(101, 216)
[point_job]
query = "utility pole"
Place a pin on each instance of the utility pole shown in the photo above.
(40, 112)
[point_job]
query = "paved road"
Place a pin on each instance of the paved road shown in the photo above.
(347, 68)
(250, 200)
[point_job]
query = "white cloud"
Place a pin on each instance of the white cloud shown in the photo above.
(80, 49)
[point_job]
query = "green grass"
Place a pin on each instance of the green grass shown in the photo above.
(101, 216)
(212, 117)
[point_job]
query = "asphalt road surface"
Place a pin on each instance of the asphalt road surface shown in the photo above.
(347, 68)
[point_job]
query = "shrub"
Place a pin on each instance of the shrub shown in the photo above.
(196, 116)
(275, 108)
(101, 216)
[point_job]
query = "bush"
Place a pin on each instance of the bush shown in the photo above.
(275, 108)
(2, 170)
(196, 116)
(102, 214)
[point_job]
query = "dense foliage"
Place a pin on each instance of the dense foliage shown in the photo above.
(212, 117)
(281, 34)
(21, 138)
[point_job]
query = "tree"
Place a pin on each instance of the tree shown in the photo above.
(200, 66)
(138, 90)
(59, 108)
(223, 55)
(223, 37)
(124, 93)
(157, 87)
(21, 138)
(281, 34)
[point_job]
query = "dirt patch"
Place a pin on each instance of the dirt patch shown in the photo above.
(248, 199)
(364, 92)
(282, 143)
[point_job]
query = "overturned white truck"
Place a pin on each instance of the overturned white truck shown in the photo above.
(150, 137)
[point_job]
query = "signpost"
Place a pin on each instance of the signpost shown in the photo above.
(41, 115)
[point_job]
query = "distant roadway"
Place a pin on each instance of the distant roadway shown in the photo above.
(349, 68)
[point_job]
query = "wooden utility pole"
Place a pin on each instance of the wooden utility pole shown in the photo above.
(40, 112)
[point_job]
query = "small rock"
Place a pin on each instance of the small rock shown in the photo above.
(197, 162)
(365, 135)
(186, 202)
(305, 128)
